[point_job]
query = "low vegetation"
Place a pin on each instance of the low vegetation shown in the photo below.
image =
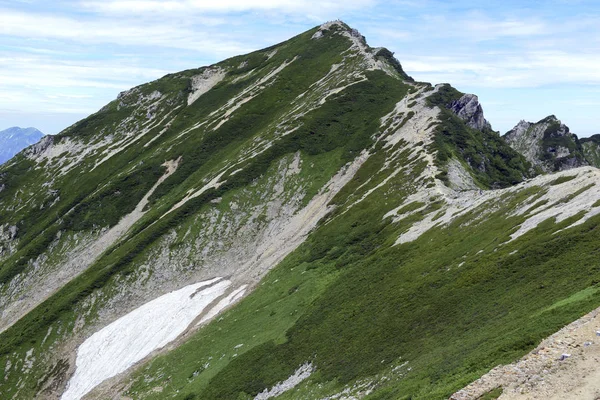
(493, 163)
(417, 320)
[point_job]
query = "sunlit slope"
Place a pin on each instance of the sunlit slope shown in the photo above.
(363, 235)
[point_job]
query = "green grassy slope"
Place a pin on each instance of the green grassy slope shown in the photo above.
(451, 305)
(416, 320)
(339, 129)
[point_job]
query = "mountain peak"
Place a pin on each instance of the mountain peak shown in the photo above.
(470, 110)
(21, 131)
(376, 58)
(336, 22)
(550, 119)
(295, 175)
(547, 144)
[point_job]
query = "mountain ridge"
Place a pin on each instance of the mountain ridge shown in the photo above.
(548, 144)
(363, 228)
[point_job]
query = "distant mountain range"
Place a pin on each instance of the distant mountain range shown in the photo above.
(15, 139)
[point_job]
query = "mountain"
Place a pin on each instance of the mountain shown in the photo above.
(591, 149)
(304, 221)
(547, 144)
(15, 139)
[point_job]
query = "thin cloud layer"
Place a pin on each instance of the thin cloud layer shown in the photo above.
(226, 6)
(72, 57)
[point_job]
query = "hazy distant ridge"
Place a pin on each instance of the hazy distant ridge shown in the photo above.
(15, 139)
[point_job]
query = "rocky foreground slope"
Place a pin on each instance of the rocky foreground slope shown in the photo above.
(304, 221)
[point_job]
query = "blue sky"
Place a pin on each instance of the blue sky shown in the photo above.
(62, 60)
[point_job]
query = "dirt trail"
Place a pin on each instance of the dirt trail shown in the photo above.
(566, 365)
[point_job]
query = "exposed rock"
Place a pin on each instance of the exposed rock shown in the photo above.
(591, 149)
(8, 234)
(40, 146)
(12, 230)
(563, 366)
(470, 111)
(205, 81)
(547, 144)
(458, 177)
(317, 35)
(301, 374)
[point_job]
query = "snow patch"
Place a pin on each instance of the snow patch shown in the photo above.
(118, 346)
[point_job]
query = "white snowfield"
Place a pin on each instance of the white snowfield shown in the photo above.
(118, 346)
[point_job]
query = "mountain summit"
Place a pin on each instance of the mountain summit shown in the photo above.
(304, 221)
(547, 144)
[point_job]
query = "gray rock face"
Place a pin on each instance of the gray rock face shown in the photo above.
(525, 138)
(547, 144)
(8, 234)
(40, 146)
(15, 139)
(469, 110)
(591, 149)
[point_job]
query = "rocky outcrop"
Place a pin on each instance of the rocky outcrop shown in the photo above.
(40, 146)
(591, 149)
(8, 234)
(469, 110)
(547, 144)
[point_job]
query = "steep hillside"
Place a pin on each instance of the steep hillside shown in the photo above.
(15, 139)
(469, 153)
(547, 144)
(304, 221)
(591, 149)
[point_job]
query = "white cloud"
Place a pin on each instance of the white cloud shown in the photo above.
(116, 31)
(225, 6)
(49, 85)
(532, 69)
(94, 49)
(47, 72)
(482, 28)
